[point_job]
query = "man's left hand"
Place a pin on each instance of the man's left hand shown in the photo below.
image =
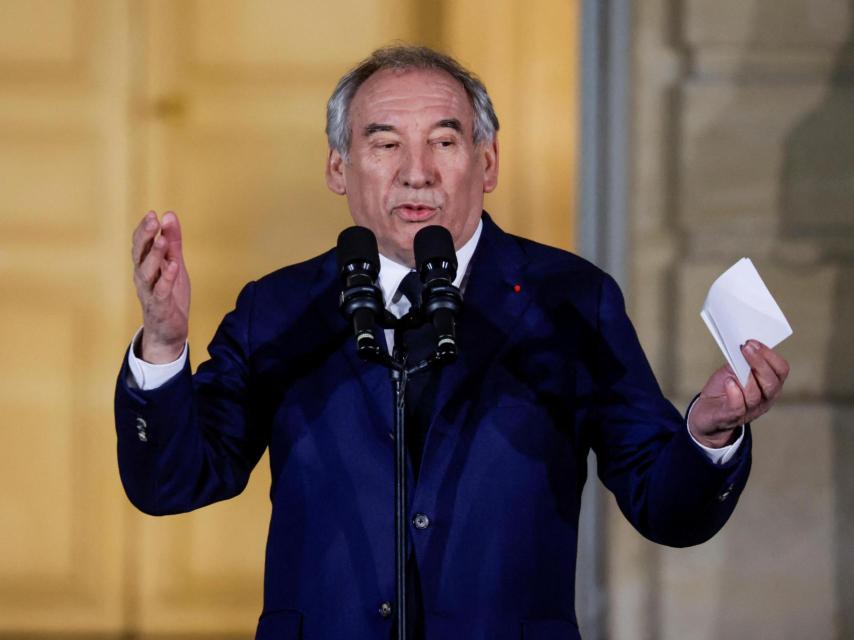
(724, 405)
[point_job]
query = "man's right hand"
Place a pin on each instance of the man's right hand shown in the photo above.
(162, 286)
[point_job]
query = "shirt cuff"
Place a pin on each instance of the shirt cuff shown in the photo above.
(721, 455)
(146, 376)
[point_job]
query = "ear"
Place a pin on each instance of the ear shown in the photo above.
(490, 165)
(335, 178)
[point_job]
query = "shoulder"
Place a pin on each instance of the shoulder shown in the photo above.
(288, 289)
(299, 276)
(537, 258)
(293, 284)
(543, 257)
(286, 307)
(562, 272)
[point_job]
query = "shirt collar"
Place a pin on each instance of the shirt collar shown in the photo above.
(392, 273)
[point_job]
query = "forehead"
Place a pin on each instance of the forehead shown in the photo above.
(393, 95)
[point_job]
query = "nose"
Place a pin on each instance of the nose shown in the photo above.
(417, 169)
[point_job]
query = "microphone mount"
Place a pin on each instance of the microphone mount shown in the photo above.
(361, 302)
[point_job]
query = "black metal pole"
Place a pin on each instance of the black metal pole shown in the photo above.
(398, 381)
(400, 374)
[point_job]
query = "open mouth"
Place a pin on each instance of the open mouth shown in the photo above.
(415, 212)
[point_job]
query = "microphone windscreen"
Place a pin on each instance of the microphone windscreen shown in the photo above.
(357, 244)
(432, 243)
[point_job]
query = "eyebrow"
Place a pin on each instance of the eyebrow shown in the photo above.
(450, 123)
(446, 123)
(376, 128)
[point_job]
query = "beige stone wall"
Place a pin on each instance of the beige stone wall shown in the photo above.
(743, 145)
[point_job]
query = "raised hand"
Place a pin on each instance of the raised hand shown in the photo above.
(162, 286)
(724, 404)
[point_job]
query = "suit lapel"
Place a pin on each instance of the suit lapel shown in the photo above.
(494, 299)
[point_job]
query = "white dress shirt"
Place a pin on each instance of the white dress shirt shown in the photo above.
(147, 376)
(392, 274)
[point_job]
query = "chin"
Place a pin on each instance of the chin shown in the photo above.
(399, 250)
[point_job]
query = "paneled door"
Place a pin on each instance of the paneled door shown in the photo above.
(64, 183)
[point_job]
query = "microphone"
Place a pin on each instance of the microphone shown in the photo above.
(441, 301)
(361, 300)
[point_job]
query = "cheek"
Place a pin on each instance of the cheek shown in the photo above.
(357, 187)
(469, 186)
(370, 183)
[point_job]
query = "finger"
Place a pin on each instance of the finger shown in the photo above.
(766, 380)
(168, 274)
(735, 401)
(752, 393)
(143, 235)
(777, 362)
(770, 382)
(171, 231)
(734, 396)
(148, 272)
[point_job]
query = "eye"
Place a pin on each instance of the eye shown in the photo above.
(444, 143)
(386, 145)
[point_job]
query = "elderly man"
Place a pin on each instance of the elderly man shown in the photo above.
(549, 367)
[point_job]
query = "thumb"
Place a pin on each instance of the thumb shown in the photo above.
(735, 406)
(171, 230)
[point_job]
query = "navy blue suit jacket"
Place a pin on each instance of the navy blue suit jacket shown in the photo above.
(545, 373)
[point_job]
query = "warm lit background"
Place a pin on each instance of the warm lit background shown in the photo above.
(213, 108)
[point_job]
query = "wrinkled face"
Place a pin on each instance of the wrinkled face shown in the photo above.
(412, 162)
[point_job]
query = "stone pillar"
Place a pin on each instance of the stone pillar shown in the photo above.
(743, 145)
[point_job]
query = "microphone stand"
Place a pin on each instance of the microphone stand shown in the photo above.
(399, 373)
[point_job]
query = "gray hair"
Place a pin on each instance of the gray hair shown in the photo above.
(405, 57)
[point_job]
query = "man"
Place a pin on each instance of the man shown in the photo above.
(549, 367)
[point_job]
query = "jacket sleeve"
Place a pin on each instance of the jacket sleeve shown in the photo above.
(664, 483)
(192, 441)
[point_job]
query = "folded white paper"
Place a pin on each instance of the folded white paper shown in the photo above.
(739, 308)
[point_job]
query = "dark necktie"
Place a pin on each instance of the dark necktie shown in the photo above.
(420, 395)
(420, 343)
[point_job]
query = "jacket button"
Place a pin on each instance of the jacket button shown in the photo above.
(385, 609)
(421, 521)
(725, 493)
(141, 426)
